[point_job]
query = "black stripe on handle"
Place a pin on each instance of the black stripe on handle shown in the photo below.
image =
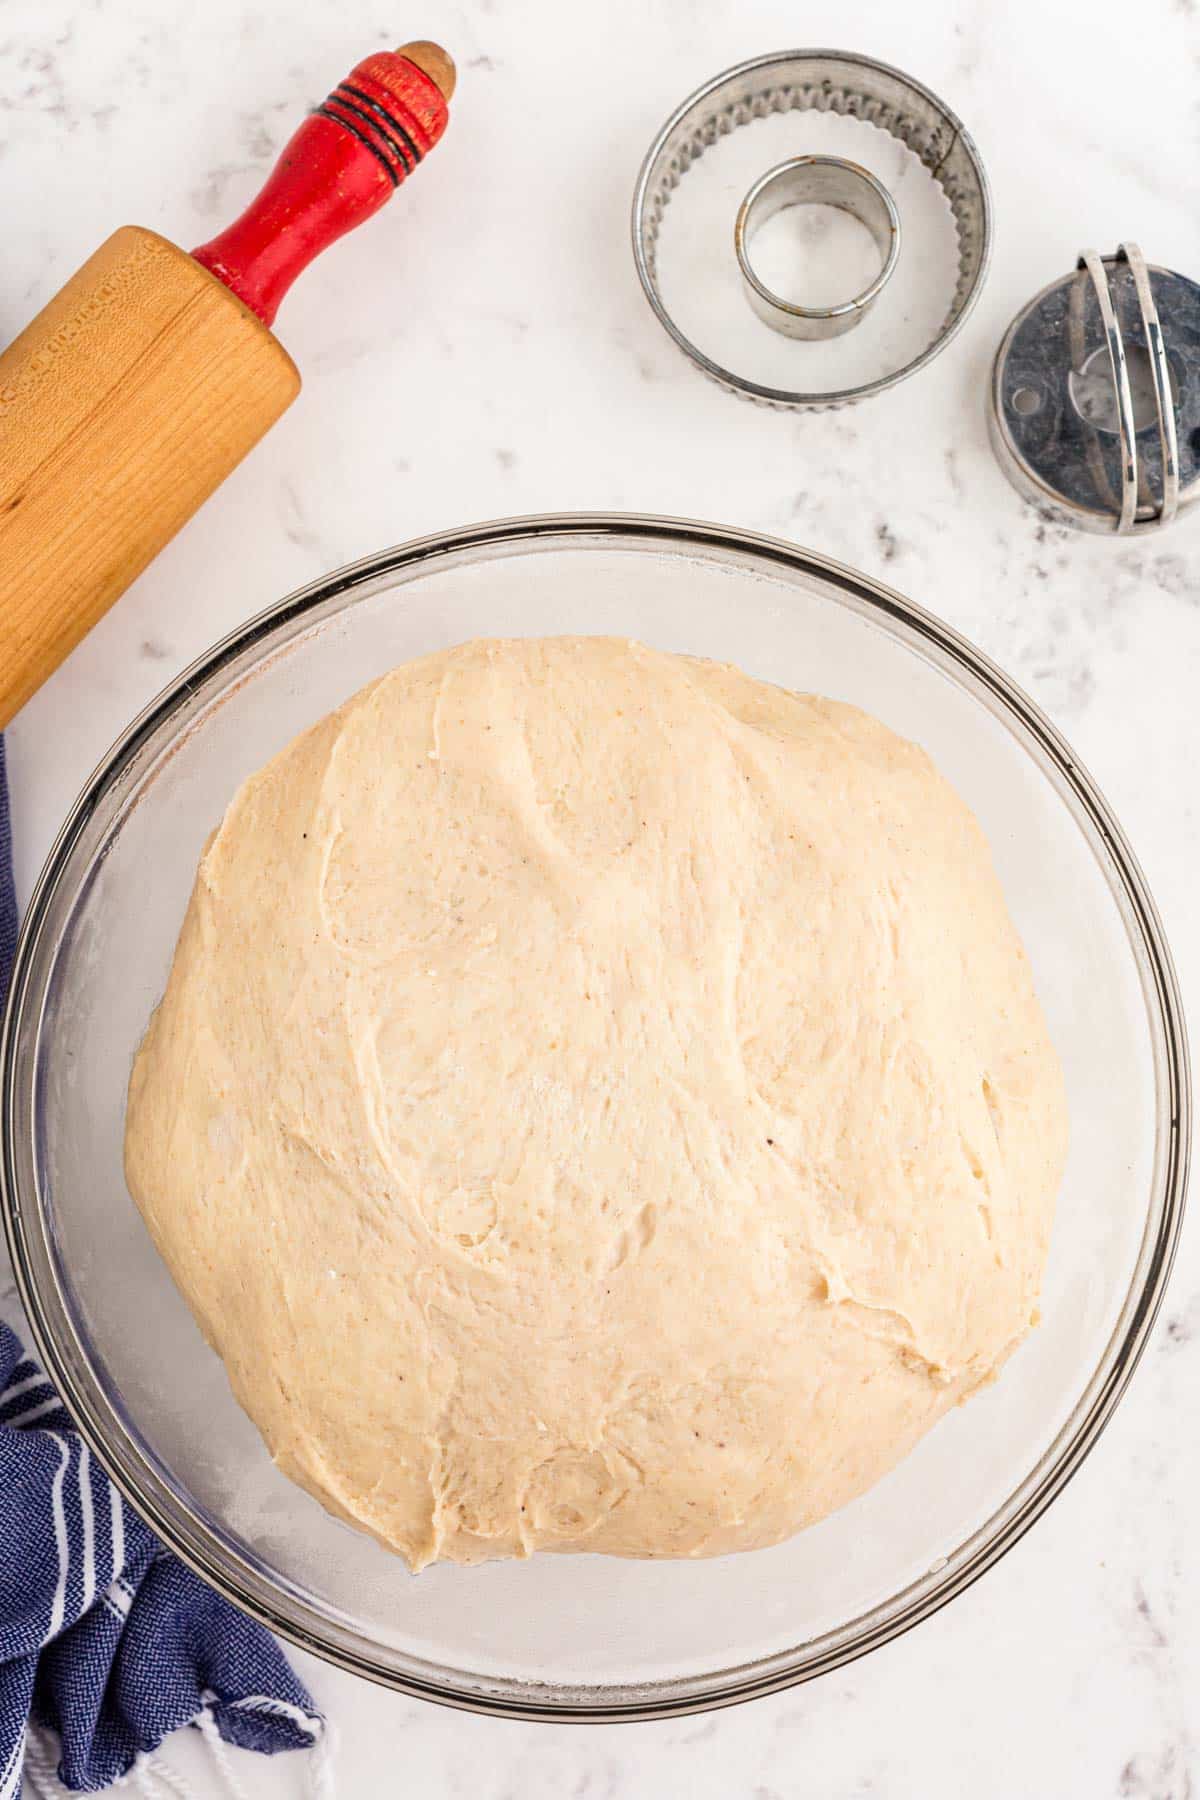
(389, 122)
(338, 99)
(363, 139)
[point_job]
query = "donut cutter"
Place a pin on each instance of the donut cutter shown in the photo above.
(1095, 398)
(816, 181)
(820, 81)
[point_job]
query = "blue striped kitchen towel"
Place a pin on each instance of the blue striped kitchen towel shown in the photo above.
(106, 1639)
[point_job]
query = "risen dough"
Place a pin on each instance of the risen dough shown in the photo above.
(599, 1103)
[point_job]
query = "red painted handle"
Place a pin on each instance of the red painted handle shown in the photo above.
(343, 163)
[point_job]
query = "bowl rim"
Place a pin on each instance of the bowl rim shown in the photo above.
(65, 1356)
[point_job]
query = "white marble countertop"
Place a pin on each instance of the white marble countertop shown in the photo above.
(501, 287)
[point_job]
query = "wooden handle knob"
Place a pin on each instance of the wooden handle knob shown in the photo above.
(345, 161)
(437, 63)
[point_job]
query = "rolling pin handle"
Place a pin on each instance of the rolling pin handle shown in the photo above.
(345, 161)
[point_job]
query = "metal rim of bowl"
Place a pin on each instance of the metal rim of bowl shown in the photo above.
(133, 1471)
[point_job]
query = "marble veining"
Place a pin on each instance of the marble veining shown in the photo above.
(500, 281)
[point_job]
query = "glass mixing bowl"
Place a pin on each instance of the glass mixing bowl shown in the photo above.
(583, 1636)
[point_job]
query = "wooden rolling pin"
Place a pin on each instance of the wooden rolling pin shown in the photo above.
(152, 372)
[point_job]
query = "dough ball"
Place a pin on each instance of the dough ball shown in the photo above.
(599, 1103)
